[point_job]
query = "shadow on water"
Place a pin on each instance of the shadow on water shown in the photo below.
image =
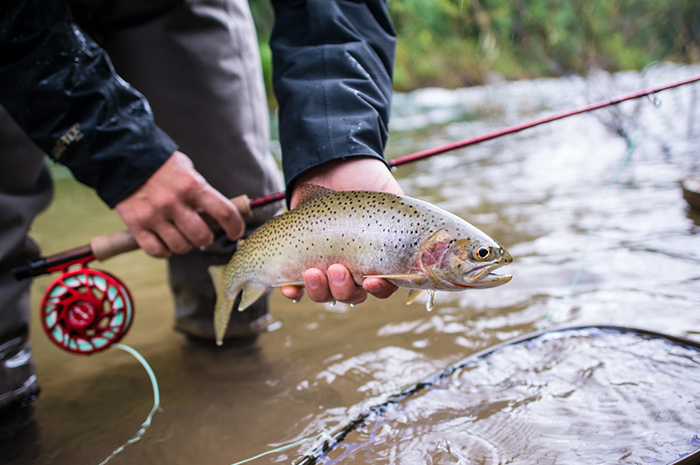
(544, 195)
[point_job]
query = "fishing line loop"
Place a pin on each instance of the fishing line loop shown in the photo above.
(156, 401)
(655, 100)
(595, 223)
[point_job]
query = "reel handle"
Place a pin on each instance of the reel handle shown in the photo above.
(112, 244)
(102, 247)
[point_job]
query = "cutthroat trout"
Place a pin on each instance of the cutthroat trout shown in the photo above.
(409, 242)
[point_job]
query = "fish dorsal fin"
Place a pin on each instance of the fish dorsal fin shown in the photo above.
(310, 192)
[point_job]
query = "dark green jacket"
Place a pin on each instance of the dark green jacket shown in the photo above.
(332, 77)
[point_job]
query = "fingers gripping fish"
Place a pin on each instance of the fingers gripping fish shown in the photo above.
(407, 241)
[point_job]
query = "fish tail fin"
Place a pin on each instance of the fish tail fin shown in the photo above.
(251, 294)
(224, 302)
(227, 298)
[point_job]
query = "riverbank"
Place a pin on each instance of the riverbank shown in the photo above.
(457, 43)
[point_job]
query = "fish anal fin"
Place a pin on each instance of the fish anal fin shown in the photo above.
(414, 294)
(250, 294)
(309, 192)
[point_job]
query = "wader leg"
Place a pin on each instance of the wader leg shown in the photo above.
(199, 67)
(25, 190)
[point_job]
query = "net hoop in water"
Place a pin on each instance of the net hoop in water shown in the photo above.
(329, 443)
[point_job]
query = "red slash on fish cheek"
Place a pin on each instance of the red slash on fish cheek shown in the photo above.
(462, 285)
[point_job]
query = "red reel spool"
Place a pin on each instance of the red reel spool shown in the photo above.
(85, 311)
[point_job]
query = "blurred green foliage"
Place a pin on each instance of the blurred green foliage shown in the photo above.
(457, 43)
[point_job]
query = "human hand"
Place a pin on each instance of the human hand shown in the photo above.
(164, 213)
(337, 284)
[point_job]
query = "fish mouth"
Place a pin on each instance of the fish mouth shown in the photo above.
(483, 277)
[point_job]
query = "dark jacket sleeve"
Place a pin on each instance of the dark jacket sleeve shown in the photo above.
(332, 68)
(61, 88)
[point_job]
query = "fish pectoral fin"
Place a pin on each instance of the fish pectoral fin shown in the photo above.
(250, 295)
(289, 283)
(409, 276)
(414, 294)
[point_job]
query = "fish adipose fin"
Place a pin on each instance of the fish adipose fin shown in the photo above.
(310, 192)
(414, 294)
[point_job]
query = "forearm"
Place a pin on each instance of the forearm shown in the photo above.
(332, 77)
(62, 90)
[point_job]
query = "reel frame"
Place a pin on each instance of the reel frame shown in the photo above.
(84, 310)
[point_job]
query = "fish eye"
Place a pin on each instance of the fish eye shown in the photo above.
(480, 252)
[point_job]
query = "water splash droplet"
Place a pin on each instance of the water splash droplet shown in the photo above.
(295, 301)
(430, 304)
(332, 303)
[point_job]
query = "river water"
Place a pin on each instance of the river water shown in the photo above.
(591, 210)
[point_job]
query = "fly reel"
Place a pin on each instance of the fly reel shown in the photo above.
(85, 311)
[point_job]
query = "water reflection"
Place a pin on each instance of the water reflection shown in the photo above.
(538, 193)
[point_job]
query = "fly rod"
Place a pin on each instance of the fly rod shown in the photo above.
(270, 198)
(108, 245)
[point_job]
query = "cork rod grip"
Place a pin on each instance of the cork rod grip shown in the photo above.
(112, 244)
